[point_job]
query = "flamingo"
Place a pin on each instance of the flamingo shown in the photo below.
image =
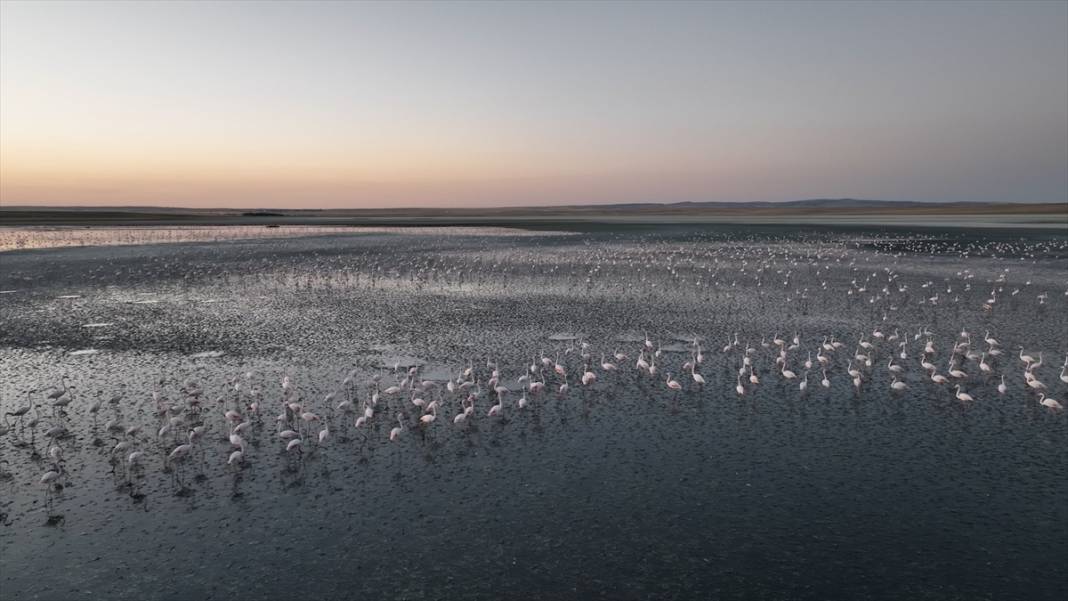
(237, 441)
(56, 392)
(927, 365)
(641, 363)
(1034, 382)
(607, 366)
(673, 384)
(65, 399)
(697, 378)
(1053, 404)
(50, 480)
(1027, 359)
(49, 477)
(180, 452)
(588, 377)
(1036, 364)
(496, 409)
(21, 412)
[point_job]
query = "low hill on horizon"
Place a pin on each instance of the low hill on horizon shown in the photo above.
(808, 203)
(680, 212)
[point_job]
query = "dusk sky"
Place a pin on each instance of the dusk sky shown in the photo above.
(491, 104)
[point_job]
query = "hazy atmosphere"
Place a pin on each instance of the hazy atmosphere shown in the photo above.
(431, 104)
(558, 301)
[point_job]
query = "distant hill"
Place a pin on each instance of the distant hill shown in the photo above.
(809, 203)
(682, 212)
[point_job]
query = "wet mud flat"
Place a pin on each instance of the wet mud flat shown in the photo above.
(621, 487)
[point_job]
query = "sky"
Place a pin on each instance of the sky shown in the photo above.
(345, 104)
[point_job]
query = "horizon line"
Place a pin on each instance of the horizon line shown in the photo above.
(544, 206)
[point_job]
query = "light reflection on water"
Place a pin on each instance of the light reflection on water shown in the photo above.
(623, 489)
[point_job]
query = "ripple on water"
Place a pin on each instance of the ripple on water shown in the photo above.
(828, 494)
(676, 347)
(400, 361)
(436, 372)
(207, 355)
(565, 336)
(689, 338)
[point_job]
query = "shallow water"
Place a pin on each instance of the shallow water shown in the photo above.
(620, 489)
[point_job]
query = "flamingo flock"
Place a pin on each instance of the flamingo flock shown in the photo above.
(718, 291)
(495, 393)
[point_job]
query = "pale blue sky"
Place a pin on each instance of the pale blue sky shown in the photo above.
(431, 104)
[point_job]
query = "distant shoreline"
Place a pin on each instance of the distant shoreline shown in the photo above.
(801, 213)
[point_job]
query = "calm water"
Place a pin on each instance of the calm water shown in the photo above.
(620, 489)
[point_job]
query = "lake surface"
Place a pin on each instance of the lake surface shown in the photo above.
(619, 488)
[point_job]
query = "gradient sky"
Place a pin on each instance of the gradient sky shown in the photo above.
(440, 104)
